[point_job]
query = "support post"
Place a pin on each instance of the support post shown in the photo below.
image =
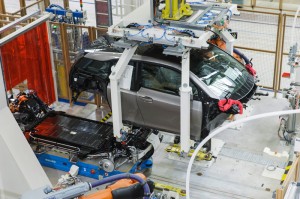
(66, 4)
(278, 55)
(92, 37)
(46, 3)
(114, 77)
(92, 34)
(22, 6)
(2, 11)
(54, 73)
(280, 5)
(152, 10)
(185, 103)
(282, 51)
(66, 56)
(2, 7)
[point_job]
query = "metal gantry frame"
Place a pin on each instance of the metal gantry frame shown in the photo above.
(185, 95)
(152, 34)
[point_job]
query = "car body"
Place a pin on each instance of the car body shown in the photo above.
(152, 99)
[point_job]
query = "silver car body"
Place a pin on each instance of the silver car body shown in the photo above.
(152, 108)
(160, 110)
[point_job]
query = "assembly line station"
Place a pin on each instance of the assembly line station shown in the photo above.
(149, 99)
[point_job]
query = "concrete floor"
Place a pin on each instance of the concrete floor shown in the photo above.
(227, 177)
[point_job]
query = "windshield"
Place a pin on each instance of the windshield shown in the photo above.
(223, 74)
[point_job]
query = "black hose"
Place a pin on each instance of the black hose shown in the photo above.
(247, 61)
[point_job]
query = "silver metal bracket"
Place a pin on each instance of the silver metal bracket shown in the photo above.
(124, 44)
(176, 51)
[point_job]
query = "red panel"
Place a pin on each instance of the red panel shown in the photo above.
(102, 20)
(101, 7)
(28, 57)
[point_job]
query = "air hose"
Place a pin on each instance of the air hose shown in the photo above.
(239, 53)
(221, 129)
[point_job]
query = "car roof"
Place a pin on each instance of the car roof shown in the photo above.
(146, 53)
(149, 53)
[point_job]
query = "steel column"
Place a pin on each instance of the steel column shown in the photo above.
(280, 5)
(66, 56)
(2, 7)
(278, 55)
(282, 50)
(22, 6)
(114, 77)
(66, 4)
(185, 103)
(52, 61)
(46, 3)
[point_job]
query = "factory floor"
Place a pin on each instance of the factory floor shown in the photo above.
(237, 172)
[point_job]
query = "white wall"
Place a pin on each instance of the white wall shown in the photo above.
(20, 171)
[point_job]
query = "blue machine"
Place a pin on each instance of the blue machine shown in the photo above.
(85, 169)
(58, 10)
(67, 15)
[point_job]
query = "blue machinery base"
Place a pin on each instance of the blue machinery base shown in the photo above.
(88, 170)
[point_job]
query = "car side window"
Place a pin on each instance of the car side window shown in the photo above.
(162, 79)
(95, 67)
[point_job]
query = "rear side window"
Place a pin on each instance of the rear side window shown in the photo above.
(101, 69)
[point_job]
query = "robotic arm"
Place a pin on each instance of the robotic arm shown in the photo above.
(131, 186)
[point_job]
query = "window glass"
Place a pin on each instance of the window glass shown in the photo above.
(162, 79)
(94, 67)
(222, 73)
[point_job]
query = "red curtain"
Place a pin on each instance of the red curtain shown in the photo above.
(28, 58)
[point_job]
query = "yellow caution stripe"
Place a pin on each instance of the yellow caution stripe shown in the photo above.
(287, 168)
(160, 186)
(107, 116)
